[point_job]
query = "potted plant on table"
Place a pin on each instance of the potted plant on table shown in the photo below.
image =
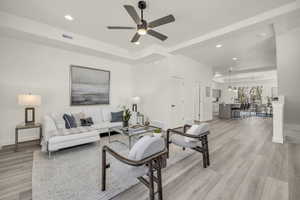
(157, 132)
(126, 116)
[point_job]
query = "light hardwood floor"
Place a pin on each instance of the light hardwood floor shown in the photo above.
(245, 164)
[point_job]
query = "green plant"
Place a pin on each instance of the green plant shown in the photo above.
(269, 103)
(242, 95)
(158, 130)
(126, 114)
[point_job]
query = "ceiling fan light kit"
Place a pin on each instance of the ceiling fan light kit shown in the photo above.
(142, 26)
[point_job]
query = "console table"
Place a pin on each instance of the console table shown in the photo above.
(26, 126)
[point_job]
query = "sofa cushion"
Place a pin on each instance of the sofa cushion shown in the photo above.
(106, 114)
(68, 138)
(115, 124)
(58, 120)
(117, 116)
(95, 113)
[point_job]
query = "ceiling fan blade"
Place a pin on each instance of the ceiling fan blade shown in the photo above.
(158, 35)
(120, 27)
(136, 37)
(161, 21)
(133, 14)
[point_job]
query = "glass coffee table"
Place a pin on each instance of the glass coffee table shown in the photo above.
(130, 132)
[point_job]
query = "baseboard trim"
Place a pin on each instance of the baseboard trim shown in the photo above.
(277, 140)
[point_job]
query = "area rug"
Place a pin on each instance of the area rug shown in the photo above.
(75, 174)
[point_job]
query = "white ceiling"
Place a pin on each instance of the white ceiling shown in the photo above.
(193, 18)
(254, 47)
(246, 77)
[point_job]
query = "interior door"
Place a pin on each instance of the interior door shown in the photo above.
(177, 102)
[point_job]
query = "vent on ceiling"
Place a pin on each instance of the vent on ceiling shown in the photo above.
(67, 36)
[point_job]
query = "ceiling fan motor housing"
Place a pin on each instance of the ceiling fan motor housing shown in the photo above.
(142, 5)
(143, 25)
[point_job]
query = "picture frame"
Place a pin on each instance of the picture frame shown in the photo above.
(89, 86)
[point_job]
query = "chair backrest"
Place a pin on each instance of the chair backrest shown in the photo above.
(199, 129)
(146, 146)
(157, 124)
(196, 130)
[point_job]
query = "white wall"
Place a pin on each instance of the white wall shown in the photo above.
(27, 67)
(229, 96)
(152, 83)
(193, 72)
(288, 61)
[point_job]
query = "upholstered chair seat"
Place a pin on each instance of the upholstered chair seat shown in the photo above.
(193, 137)
(146, 157)
(180, 141)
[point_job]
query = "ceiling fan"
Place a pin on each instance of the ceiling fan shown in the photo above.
(142, 26)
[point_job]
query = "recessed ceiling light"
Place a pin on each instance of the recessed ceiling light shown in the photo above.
(137, 42)
(234, 58)
(69, 17)
(217, 74)
(219, 45)
(262, 34)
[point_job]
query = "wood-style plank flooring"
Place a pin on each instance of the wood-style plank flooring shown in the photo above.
(245, 164)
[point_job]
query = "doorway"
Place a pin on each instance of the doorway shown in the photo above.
(177, 102)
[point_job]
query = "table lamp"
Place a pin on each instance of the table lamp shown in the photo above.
(29, 101)
(135, 101)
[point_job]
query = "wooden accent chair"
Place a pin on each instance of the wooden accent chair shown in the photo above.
(186, 139)
(146, 157)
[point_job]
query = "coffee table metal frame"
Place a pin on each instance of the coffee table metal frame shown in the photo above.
(129, 134)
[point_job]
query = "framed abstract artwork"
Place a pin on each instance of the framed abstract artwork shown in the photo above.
(89, 86)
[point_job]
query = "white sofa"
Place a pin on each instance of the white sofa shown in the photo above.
(56, 136)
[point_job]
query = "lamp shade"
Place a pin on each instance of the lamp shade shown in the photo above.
(136, 100)
(29, 100)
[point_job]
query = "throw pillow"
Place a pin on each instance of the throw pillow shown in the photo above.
(69, 121)
(117, 116)
(77, 117)
(87, 121)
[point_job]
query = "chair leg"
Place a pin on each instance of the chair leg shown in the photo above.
(207, 152)
(159, 184)
(168, 142)
(103, 170)
(204, 154)
(151, 181)
(204, 160)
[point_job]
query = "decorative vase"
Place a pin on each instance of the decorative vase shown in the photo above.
(125, 123)
(147, 123)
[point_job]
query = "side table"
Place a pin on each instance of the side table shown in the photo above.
(26, 126)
